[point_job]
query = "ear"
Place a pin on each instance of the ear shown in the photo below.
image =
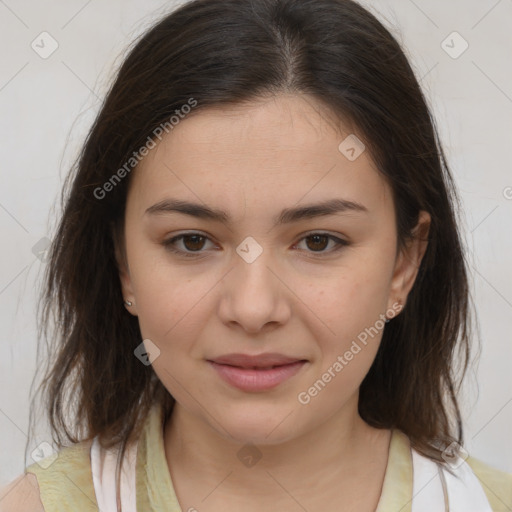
(124, 272)
(408, 261)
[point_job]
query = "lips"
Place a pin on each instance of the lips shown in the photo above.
(261, 361)
(256, 373)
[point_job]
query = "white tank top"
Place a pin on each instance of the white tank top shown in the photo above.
(434, 488)
(103, 466)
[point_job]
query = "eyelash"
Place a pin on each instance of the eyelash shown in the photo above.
(169, 244)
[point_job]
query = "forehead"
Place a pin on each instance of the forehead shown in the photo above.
(279, 150)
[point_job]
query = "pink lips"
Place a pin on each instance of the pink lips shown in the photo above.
(256, 373)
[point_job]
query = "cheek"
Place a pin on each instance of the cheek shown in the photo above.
(347, 335)
(166, 293)
(171, 314)
(352, 296)
(165, 303)
(349, 319)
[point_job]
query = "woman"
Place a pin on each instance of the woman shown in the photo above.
(259, 280)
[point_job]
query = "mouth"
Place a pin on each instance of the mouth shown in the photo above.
(258, 367)
(261, 361)
(257, 378)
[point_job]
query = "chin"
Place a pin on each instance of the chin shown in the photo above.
(258, 428)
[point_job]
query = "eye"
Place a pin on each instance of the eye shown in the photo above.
(319, 241)
(193, 243)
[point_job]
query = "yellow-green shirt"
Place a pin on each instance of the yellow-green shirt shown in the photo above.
(67, 483)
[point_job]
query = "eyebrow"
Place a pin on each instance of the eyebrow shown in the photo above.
(288, 215)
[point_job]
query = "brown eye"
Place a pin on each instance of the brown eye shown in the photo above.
(318, 242)
(192, 244)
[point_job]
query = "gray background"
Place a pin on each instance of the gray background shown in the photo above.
(47, 105)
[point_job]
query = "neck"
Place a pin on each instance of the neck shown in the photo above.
(339, 453)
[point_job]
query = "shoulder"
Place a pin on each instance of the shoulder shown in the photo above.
(61, 482)
(497, 484)
(21, 495)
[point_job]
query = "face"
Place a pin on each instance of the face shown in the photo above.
(314, 288)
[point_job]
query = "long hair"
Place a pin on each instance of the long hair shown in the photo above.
(222, 53)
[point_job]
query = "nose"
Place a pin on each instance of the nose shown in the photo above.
(254, 295)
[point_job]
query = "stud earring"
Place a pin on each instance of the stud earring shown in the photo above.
(128, 303)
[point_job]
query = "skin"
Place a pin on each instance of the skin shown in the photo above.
(300, 298)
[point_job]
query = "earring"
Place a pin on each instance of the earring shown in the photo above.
(128, 303)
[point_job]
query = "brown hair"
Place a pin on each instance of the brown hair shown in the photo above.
(223, 52)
